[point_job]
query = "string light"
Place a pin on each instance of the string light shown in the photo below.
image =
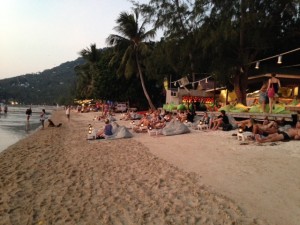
(279, 59)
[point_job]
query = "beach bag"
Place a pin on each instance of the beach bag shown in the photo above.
(271, 92)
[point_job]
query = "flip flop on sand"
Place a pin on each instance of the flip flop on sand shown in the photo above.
(273, 144)
(244, 143)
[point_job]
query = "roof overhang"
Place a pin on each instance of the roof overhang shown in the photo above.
(284, 76)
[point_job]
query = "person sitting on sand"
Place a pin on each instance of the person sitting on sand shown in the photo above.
(156, 122)
(126, 116)
(246, 125)
(107, 131)
(205, 119)
(268, 127)
(51, 124)
(190, 116)
(143, 124)
(168, 116)
(290, 134)
(181, 116)
(221, 120)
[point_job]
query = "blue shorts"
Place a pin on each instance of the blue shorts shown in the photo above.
(263, 96)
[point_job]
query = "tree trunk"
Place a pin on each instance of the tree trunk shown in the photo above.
(241, 77)
(192, 66)
(143, 83)
(240, 86)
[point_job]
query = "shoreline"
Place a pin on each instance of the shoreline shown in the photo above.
(55, 176)
(33, 126)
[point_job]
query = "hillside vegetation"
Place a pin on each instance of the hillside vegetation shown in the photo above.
(52, 86)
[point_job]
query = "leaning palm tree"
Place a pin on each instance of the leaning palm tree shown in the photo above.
(130, 45)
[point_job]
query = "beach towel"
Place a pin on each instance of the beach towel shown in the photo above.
(174, 128)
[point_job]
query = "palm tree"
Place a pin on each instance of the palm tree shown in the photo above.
(90, 70)
(131, 46)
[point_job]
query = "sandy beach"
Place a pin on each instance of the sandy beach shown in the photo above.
(56, 176)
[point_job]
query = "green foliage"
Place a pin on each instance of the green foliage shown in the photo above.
(134, 36)
(46, 87)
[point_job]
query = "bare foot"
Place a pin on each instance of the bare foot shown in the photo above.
(258, 138)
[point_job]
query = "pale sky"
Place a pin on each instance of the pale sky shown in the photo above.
(40, 34)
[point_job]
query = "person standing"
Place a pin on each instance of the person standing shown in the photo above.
(273, 87)
(28, 113)
(5, 109)
(263, 96)
(43, 118)
(68, 112)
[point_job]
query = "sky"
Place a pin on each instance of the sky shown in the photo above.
(40, 34)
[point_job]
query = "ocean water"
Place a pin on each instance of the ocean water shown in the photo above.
(14, 125)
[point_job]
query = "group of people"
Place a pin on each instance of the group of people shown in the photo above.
(153, 119)
(42, 116)
(269, 92)
(268, 130)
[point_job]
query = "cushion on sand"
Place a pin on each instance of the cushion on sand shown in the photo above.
(175, 127)
(111, 118)
(119, 132)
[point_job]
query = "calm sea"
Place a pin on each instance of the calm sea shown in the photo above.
(14, 125)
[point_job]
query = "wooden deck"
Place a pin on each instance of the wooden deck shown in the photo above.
(257, 116)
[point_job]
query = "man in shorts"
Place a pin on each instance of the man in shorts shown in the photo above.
(290, 134)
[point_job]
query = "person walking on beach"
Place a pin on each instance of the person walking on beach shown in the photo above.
(68, 112)
(273, 87)
(43, 118)
(28, 113)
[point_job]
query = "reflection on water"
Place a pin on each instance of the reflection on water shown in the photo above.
(14, 125)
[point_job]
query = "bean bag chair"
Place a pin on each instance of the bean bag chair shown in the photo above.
(111, 118)
(181, 107)
(255, 109)
(119, 132)
(239, 108)
(174, 128)
(226, 108)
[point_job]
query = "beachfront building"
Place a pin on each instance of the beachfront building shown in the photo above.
(287, 93)
(184, 91)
